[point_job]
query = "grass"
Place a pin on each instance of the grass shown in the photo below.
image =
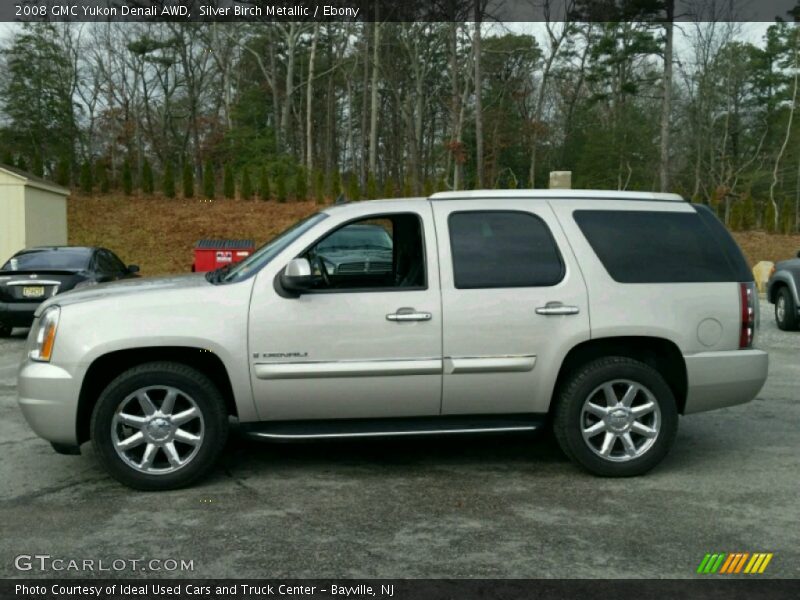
(159, 233)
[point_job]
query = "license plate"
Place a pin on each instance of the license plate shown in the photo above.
(33, 291)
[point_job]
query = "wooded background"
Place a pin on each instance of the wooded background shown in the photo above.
(291, 111)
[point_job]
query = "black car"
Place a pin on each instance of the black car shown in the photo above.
(33, 275)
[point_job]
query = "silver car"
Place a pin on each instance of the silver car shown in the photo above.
(605, 315)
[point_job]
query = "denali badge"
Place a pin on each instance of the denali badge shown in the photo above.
(256, 355)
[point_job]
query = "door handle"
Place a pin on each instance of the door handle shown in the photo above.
(556, 308)
(409, 314)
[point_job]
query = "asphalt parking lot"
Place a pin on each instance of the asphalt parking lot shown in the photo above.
(479, 507)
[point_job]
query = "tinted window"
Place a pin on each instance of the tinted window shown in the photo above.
(503, 249)
(73, 259)
(107, 264)
(655, 247)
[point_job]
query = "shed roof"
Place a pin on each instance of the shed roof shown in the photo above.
(34, 181)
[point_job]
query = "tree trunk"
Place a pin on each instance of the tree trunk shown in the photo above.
(476, 48)
(786, 138)
(373, 115)
(666, 101)
(309, 104)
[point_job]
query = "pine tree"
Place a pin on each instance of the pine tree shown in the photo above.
(388, 188)
(372, 186)
(8, 158)
(228, 181)
(127, 178)
(335, 185)
(147, 178)
(62, 172)
(101, 175)
(263, 186)
(407, 188)
(428, 188)
(319, 187)
(86, 178)
(769, 218)
(246, 191)
(209, 183)
(441, 184)
(188, 179)
(22, 165)
(280, 185)
(301, 185)
(169, 180)
(353, 189)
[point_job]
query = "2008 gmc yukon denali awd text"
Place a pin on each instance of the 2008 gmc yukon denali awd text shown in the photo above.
(605, 314)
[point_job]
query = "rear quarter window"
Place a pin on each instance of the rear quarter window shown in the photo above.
(662, 247)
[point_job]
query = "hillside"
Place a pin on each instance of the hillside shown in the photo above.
(158, 234)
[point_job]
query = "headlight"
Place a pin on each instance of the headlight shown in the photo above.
(45, 335)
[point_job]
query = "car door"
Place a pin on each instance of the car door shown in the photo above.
(366, 345)
(514, 303)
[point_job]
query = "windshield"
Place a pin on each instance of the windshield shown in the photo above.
(367, 237)
(50, 259)
(268, 251)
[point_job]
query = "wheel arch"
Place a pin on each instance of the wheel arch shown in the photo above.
(104, 369)
(659, 353)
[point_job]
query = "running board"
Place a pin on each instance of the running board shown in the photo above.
(395, 427)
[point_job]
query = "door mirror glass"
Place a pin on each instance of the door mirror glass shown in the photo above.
(297, 275)
(133, 269)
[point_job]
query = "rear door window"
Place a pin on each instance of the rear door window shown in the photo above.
(503, 249)
(656, 247)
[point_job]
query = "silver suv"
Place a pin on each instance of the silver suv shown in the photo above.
(605, 314)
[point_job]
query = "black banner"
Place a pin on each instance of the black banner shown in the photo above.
(745, 588)
(393, 10)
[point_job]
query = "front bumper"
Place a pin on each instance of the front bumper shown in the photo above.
(720, 379)
(48, 398)
(17, 314)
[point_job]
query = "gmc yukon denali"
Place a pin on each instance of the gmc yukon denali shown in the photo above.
(605, 315)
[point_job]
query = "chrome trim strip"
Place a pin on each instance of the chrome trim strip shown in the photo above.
(33, 282)
(370, 368)
(489, 364)
(310, 436)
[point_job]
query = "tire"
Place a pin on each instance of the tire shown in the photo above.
(786, 310)
(5, 331)
(647, 443)
(196, 426)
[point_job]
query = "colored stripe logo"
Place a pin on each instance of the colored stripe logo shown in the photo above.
(734, 562)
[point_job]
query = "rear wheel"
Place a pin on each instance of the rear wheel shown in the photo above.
(786, 311)
(159, 426)
(616, 417)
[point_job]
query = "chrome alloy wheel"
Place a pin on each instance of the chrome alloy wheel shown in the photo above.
(157, 430)
(620, 420)
(780, 308)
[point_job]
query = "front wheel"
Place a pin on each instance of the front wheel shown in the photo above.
(786, 311)
(159, 426)
(616, 417)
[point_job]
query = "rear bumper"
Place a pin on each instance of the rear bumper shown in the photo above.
(17, 314)
(720, 379)
(49, 401)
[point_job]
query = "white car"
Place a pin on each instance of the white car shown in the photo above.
(605, 314)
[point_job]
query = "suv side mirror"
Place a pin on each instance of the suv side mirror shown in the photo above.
(133, 269)
(798, 254)
(296, 276)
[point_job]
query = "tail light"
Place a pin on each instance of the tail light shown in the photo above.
(747, 332)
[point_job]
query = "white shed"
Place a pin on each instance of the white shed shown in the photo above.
(33, 212)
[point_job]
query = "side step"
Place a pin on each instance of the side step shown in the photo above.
(394, 427)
